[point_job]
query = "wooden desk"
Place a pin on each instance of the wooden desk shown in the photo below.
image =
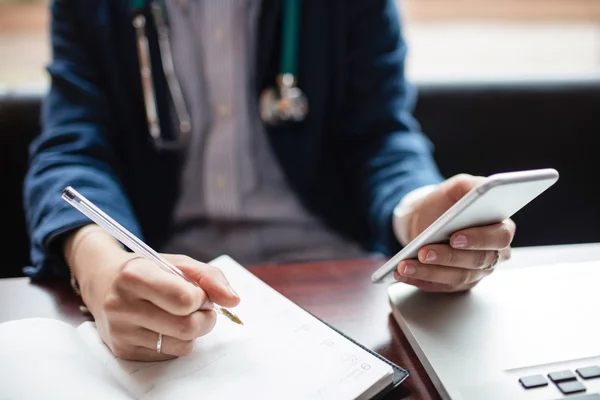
(337, 292)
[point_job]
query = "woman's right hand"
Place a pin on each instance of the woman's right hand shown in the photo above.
(133, 300)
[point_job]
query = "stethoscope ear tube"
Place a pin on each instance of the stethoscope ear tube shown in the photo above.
(277, 105)
(139, 23)
(151, 107)
(164, 42)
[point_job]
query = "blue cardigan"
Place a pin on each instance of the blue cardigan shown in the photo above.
(354, 157)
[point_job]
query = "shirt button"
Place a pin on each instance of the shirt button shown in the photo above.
(221, 181)
(224, 110)
(219, 34)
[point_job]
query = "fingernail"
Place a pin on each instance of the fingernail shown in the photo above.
(207, 306)
(431, 255)
(409, 269)
(233, 292)
(460, 241)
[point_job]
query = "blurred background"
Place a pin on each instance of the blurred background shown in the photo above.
(502, 40)
(503, 85)
(449, 40)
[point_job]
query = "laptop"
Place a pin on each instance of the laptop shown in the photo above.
(529, 331)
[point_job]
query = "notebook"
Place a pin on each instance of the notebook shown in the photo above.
(281, 351)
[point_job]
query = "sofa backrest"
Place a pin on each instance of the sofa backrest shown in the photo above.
(479, 129)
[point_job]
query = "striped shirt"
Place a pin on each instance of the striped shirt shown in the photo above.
(235, 199)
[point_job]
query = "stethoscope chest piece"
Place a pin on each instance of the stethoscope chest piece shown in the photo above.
(284, 103)
(277, 105)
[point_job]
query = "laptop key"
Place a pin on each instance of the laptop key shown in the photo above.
(591, 396)
(571, 387)
(589, 372)
(533, 381)
(561, 376)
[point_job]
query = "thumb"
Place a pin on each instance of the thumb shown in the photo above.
(456, 187)
(428, 209)
(210, 279)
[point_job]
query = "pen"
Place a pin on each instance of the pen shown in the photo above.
(119, 232)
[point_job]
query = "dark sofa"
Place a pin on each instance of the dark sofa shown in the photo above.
(476, 128)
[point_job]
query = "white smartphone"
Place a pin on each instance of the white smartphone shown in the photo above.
(495, 199)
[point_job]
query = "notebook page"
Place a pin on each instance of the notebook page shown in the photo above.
(281, 351)
(45, 359)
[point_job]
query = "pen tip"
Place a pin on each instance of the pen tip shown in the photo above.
(232, 316)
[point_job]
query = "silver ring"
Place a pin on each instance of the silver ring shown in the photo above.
(159, 343)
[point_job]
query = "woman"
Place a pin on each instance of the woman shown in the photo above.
(212, 172)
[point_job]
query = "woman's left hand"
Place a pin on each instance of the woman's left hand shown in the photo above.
(471, 253)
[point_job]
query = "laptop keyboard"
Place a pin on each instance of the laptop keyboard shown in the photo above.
(571, 387)
(533, 381)
(566, 381)
(562, 376)
(589, 372)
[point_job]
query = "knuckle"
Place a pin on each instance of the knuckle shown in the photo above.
(187, 328)
(112, 303)
(185, 300)
(128, 276)
(212, 273)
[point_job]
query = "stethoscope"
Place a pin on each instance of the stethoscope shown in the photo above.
(277, 105)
